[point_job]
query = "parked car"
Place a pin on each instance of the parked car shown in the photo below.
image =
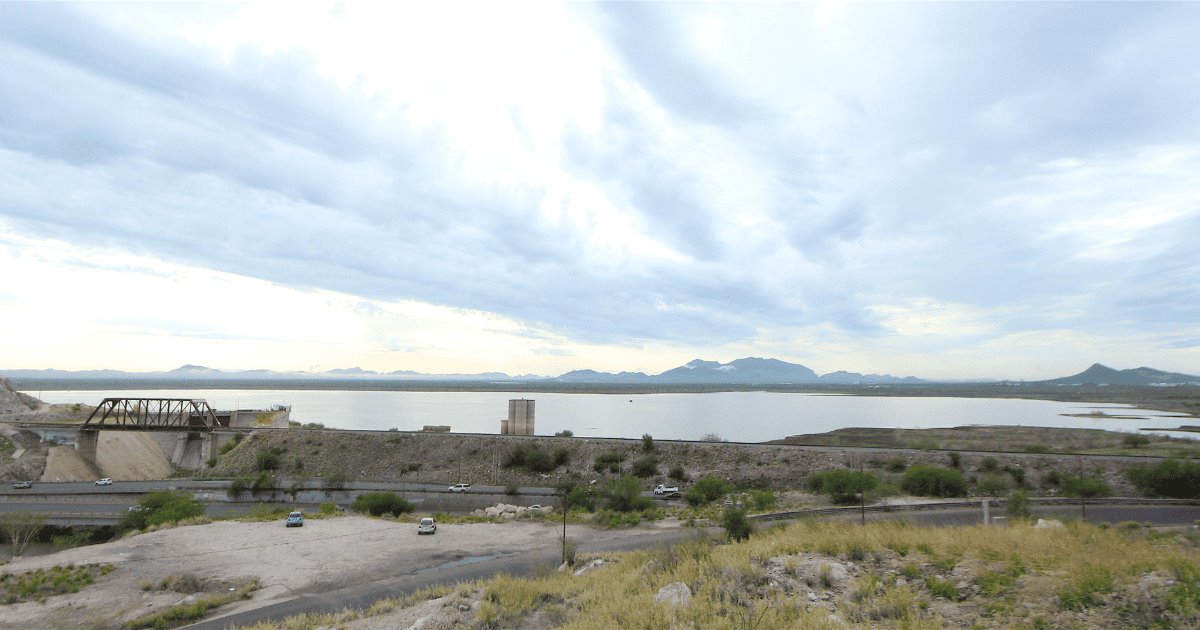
(460, 487)
(426, 526)
(104, 482)
(661, 489)
(295, 519)
(23, 485)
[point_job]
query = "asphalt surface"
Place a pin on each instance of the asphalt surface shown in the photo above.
(518, 563)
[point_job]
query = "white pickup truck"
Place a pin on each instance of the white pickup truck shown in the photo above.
(661, 489)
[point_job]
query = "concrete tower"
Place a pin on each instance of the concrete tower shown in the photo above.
(520, 418)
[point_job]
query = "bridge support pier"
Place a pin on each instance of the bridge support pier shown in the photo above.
(86, 441)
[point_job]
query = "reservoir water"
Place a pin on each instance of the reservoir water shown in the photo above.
(735, 416)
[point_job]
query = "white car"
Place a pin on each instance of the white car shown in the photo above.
(426, 526)
(460, 487)
(104, 482)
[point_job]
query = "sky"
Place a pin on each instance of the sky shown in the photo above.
(943, 190)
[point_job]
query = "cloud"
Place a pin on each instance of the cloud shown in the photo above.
(629, 175)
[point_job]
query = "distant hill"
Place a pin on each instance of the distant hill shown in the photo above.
(1103, 375)
(746, 371)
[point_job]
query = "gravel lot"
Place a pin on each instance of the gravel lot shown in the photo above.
(323, 555)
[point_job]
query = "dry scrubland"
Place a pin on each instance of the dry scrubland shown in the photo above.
(830, 575)
(448, 458)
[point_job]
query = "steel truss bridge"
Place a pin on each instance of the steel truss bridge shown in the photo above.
(154, 414)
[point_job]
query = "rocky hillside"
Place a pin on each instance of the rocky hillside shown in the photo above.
(449, 458)
(13, 402)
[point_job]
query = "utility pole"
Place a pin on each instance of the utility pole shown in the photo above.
(862, 492)
(564, 536)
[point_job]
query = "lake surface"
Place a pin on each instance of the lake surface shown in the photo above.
(735, 416)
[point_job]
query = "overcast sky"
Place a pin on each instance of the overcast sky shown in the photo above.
(941, 190)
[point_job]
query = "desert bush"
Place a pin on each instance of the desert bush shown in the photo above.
(610, 462)
(1018, 504)
(989, 464)
(1084, 487)
(624, 495)
(1037, 449)
(159, 508)
(842, 486)
(934, 481)
(737, 526)
(535, 459)
(762, 500)
(955, 459)
(1168, 478)
(565, 433)
(1134, 441)
(706, 490)
(645, 466)
(992, 484)
(677, 473)
(380, 503)
(263, 482)
(267, 460)
(647, 443)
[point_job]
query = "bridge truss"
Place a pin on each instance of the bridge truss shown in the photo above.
(153, 414)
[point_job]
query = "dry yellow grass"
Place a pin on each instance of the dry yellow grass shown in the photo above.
(903, 577)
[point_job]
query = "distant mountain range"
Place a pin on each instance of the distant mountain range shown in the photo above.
(740, 372)
(1104, 375)
(747, 371)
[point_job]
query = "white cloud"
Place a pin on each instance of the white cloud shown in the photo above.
(605, 186)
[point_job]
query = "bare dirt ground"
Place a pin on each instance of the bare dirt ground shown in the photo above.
(323, 555)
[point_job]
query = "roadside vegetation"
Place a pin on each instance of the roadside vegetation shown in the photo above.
(39, 584)
(885, 575)
(211, 595)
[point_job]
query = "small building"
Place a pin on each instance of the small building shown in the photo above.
(520, 418)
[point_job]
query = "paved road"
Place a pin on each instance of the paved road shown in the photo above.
(363, 595)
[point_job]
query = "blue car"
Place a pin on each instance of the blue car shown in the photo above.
(295, 519)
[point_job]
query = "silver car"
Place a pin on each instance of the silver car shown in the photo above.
(426, 526)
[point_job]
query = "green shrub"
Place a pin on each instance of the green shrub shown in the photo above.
(581, 496)
(934, 481)
(263, 482)
(645, 466)
(238, 486)
(1168, 478)
(267, 460)
(989, 464)
(1084, 487)
(992, 485)
(762, 500)
(706, 490)
(328, 508)
(565, 433)
(610, 461)
(842, 486)
(625, 495)
(159, 508)
(534, 459)
(1134, 441)
(1018, 504)
(955, 459)
(337, 480)
(941, 588)
(647, 443)
(736, 525)
(1037, 449)
(1086, 588)
(677, 473)
(380, 503)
